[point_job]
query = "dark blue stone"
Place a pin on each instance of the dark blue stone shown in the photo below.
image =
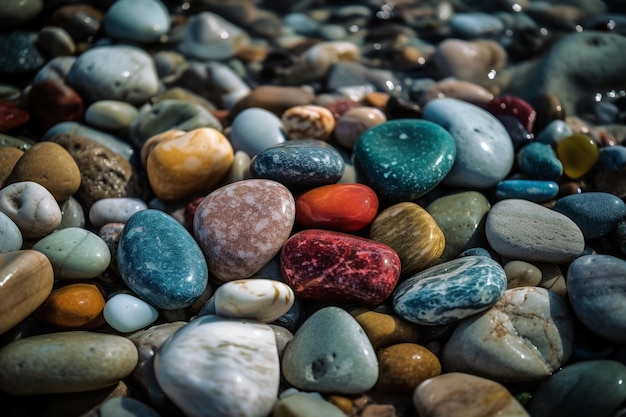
(612, 158)
(539, 161)
(160, 261)
(19, 54)
(595, 213)
(299, 164)
(532, 190)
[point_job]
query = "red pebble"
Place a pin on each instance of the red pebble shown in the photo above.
(342, 207)
(52, 102)
(513, 106)
(11, 116)
(326, 266)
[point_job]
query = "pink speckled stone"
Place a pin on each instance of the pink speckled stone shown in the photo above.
(242, 226)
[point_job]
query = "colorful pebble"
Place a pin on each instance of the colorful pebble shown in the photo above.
(578, 154)
(403, 367)
(308, 122)
(254, 130)
(539, 161)
(150, 20)
(532, 190)
(259, 299)
(73, 307)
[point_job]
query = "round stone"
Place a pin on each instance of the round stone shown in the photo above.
(110, 114)
(141, 21)
(31, 206)
(513, 106)
(351, 125)
(521, 274)
(578, 154)
(73, 307)
(308, 122)
(595, 213)
(127, 313)
(256, 129)
(207, 36)
(403, 367)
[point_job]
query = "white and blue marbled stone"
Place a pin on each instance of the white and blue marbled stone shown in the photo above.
(160, 261)
(141, 21)
(10, 235)
(536, 191)
(450, 291)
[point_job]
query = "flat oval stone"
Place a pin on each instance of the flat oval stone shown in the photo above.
(114, 210)
(10, 235)
(74, 361)
(403, 367)
(578, 154)
(237, 249)
(330, 353)
(484, 148)
(595, 290)
(73, 307)
(451, 291)
(27, 279)
(260, 299)
(526, 336)
(341, 207)
(110, 114)
(323, 265)
(595, 213)
(75, 253)
(539, 161)
(299, 164)
(14, 13)
(31, 206)
(72, 213)
(520, 229)
(351, 125)
(141, 21)
(55, 41)
(127, 313)
(404, 159)
(160, 261)
(522, 274)
(210, 353)
(536, 191)
(80, 20)
(254, 130)
(412, 233)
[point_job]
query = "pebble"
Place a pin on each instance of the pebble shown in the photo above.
(539, 161)
(330, 353)
(107, 140)
(207, 36)
(27, 279)
(11, 116)
(404, 159)
(160, 261)
(526, 336)
(81, 21)
(73, 307)
(513, 106)
(484, 148)
(75, 253)
(403, 367)
(127, 313)
(274, 98)
(351, 124)
(14, 13)
(308, 122)
(110, 114)
(55, 41)
(264, 300)
(578, 154)
(72, 361)
(554, 132)
(456, 394)
(72, 214)
(141, 21)
(450, 291)
(114, 210)
(384, 330)
(521, 274)
(47, 94)
(8, 158)
(254, 130)
(537, 191)
(527, 231)
(19, 54)
(10, 235)
(301, 404)
(454, 88)
(468, 60)
(237, 372)
(595, 213)
(412, 233)
(31, 207)
(125, 407)
(476, 25)
(340, 207)
(329, 266)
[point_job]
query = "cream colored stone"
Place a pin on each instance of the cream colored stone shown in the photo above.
(260, 299)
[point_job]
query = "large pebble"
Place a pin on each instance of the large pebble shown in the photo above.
(330, 353)
(520, 229)
(254, 130)
(323, 265)
(31, 206)
(260, 299)
(10, 235)
(242, 226)
(595, 213)
(526, 336)
(127, 313)
(450, 291)
(160, 261)
(141, 21)
(220, 367)
(74, 361)
(207, 36)
(73, 307)
(110, 114)
(484, 148)
(114, 210)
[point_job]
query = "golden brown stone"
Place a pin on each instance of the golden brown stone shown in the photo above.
(404, 366)
(384, 329)
(8, 158)
(73, 307)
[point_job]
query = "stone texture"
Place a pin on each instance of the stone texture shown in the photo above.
(265, 300)
(403, 367)
(73, 307)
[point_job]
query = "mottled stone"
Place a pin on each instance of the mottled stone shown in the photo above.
(264, 300)
(384, 330)
(140, 21)
(73, 307)
(31, 207)
(595, 213)
(521, 274)
(403, 367)
(308, 122)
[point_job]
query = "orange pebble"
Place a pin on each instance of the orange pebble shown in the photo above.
(73, 307)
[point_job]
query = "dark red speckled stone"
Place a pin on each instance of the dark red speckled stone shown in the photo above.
(513, 106)
(329, 266)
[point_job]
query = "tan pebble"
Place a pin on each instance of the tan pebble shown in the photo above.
(462, 90)
(469, 60)
(308, 122)
(354, 122)
(552, 278)
(342, 403)
(273, 98)
(521, 274)
(376, 99)
(404, 366)
(8, 158)
(384, 329)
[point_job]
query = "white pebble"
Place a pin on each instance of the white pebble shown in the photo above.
(127, 313)
(114, 210)
(261, 299)
(32, 207)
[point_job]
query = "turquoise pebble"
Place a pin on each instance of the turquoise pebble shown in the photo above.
(141, 21)
(539, 161)
(114, 143)
(595, 213)
(554, 132)
(450, 291)
(404, 159)
(531, 190)
(75, 253)
(127, 313)
(10, 235)
(476, 25)
(302, 24)
(160, 261)
(612, 158)
(19, 53)
(254, 130)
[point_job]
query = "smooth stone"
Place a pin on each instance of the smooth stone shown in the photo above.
(55, 41)
(318, 61)
(19, 54)
(117, 72)
(208, 36)
(611, 158)
(484, 148)
(454, 88)
(8, 158)
(578, 154)
(75, 253)
(254, 130)
(525, 337)
(27, 280)
(274, 98)
(127, 313)
(31, 206)
(302, 404)
(299, 164)
(383, 329)
(513, 106)
(470, 61)
(114, 210)
(412, 233)
(125, 407)
(330, 353)
(73, 361)
(72, 214)
(404, 159)
(239, 169)
(264, 300)
(527, 231)
(537, 191)
(460, 216)
(220, 367)
(51, 94)
(12, 116)
(521, 274)
(81, 21)
(581, 389)
(403, 367)
(552, 133)
(308, 122)
(73, 307)
(21, 144)
(450, 291)
(595, 213)
(519, 135)
(10, 235)
(113, 143)
(14, 13)
(181, 164)
(237, 249)
(56, 69)
(476, 25)
(552, 278)
(539, 161)
(456, 394)
(49, 165)
(142, 21)
(354, 122)
(595, 291)
(160, 261)
(341, 207)
(329, 266)
(110, 114)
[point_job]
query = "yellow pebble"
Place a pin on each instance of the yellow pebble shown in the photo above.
(342, 403)
(578, 153)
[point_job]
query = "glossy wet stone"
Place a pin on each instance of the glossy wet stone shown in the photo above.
(540, 162)
(114, 210)
(73, 307)
(265, 300)
(403, 367)
(532, 190)
(127, 313)
(513, 106)
(208, 36)
(8, 158)
(595, 213)
(254, 130)
(150, 20)
(304, 403)
(308, 122)
(351, 125)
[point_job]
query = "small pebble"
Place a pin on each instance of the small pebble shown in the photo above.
(384, 330)
(403, 367)
(55, 41)
(254, 130)
(125, 407)
(114, 210)
(521, 274)
(578, 154)
(73, 307)
(554, 132)
(308, 122)
(47, 94)
(207, 36)
(127, 313)
(259, 299)
(513, 106)
(32, 207)
(539, 161)
(110, 114)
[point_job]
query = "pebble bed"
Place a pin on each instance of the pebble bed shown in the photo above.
(264, 208)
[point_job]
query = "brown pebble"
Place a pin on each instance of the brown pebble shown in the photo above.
(342, 403)
(404, 366)
(73, 307)
(376, 99)
(549, 108)
(308, 122)
(81, 21)
(384, 329)
(8, 158)
(51, 94)
(276, 99)
(354, 122)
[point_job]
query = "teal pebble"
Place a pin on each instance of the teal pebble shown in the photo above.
(532, 190)
(554, 132)
(539, 161)
(141, 21)
(612, 158)
(19, 53)
(595, 213)
(404, 159)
